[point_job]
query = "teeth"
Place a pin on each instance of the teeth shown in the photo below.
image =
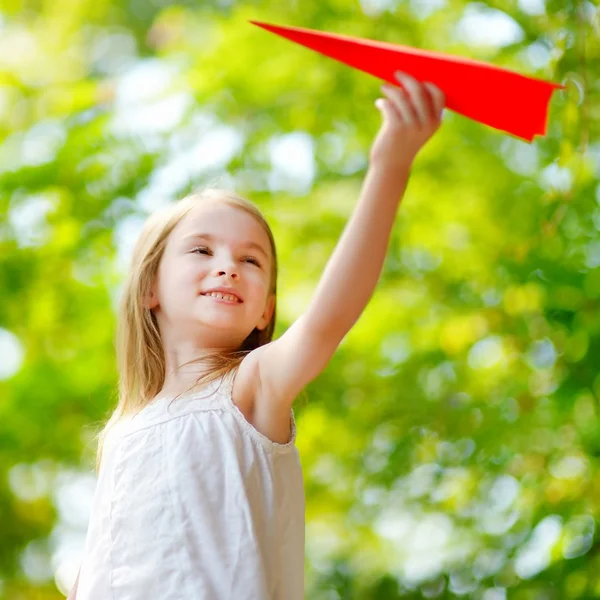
(229, 297)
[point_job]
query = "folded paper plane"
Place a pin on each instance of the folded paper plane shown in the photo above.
(498, 97)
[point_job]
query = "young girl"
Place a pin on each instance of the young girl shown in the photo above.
(200, 491)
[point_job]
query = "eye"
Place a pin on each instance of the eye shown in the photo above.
(201, 250)
(252, 260)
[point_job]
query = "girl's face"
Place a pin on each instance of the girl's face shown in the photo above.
(215, 245)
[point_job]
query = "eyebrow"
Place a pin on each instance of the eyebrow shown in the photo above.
(211, 238)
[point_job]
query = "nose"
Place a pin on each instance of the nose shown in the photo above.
(228, 269)
(232, 273)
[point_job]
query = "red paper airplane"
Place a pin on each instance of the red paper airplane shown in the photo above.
(497, 97)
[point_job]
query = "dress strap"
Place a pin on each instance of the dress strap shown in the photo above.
(226, 394)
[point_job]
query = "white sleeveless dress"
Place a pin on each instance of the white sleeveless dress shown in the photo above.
(193, 503)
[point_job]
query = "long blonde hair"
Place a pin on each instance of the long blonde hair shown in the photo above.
(139, 348)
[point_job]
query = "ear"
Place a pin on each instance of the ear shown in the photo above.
(151, 300)
(268, 313)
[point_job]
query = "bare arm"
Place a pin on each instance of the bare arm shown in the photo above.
(357, 261)
(286, 365)
(355, 266)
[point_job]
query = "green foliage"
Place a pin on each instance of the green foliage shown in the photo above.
(451, 447)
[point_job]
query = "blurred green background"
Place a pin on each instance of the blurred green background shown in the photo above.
(451, 448)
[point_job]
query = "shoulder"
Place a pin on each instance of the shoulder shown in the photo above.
(257, 401)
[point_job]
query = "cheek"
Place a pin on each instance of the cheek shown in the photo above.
(259, 282)
(184, 276)
(190, 269)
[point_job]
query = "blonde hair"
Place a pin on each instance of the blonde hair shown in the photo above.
(139, 348)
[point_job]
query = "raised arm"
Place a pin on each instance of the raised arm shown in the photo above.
(410, 117)
(355, 266)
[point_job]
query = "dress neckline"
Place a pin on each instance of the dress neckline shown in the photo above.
(215, 383)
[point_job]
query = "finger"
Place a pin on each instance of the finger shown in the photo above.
(389, 114)
(416, 94)
(438, 99)
(398, 98)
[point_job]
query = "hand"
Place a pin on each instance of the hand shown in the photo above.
(411, 115)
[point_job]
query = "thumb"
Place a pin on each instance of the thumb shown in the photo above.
(385, 108)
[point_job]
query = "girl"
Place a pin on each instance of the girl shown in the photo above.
(200, 491)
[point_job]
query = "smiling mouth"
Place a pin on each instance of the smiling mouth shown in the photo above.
(228, 298)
